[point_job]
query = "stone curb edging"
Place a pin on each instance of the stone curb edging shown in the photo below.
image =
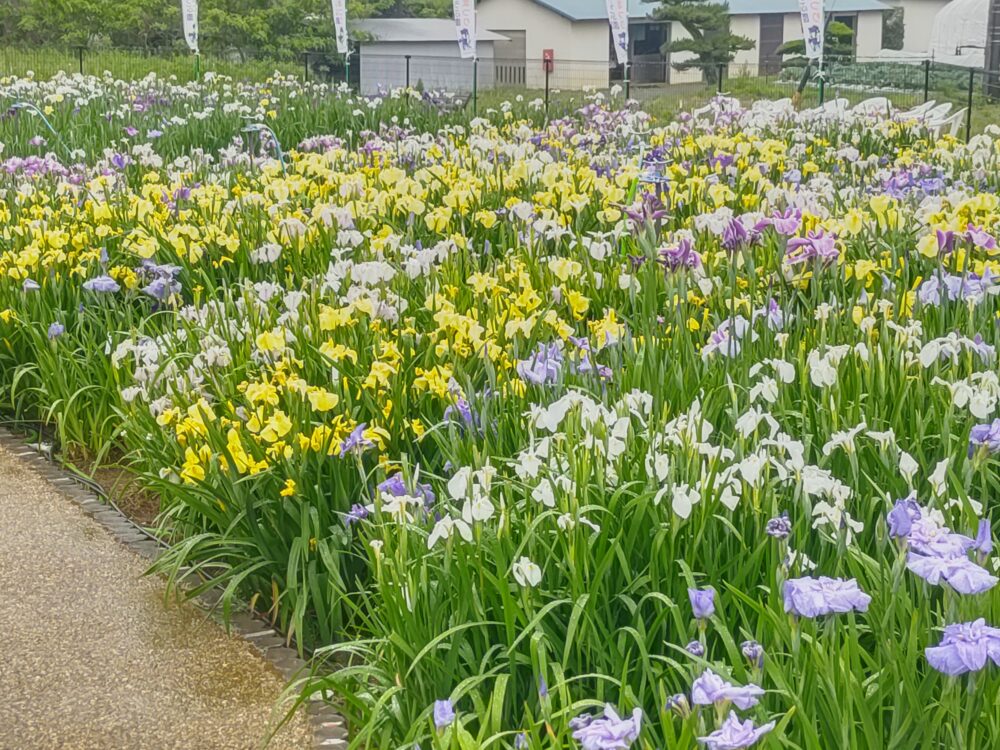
(328, 727)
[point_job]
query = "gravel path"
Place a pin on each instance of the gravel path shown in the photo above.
(91, 658)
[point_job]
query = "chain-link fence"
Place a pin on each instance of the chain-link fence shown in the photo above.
(662, 88)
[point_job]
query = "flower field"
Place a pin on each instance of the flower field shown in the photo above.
(589, 432)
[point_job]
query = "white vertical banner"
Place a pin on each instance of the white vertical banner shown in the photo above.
(465, 26)
(618, 18)
(340, 24)
(189, 15)
(813, 27)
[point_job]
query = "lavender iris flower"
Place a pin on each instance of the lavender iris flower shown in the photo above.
(444, 713)
(56, 330)
(927, 537)
(754, 653)
(30, 285)
(161, 288)
(734, 734)
(702, 602)
(815, 597)
(788, 222)
(963, 575)
(985, 436)
(965, 647)
(610, 732)
(984, 539)
(396, 486)
(980, 238)
(102, 284)
(902, 516)
(356, 442)
(710, 689)
(543, 366)
(357, 513)
(695, 648)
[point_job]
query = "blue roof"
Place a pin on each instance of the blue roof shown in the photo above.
(591, 10)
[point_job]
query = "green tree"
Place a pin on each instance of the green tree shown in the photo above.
(838, 46)
(710, 39)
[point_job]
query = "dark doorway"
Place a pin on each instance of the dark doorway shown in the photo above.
(772, 36)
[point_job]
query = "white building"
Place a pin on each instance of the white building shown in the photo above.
(578, 36)
(918, 22)
(429, 46)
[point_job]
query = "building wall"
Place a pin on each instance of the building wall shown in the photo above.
(434, 65)
(918, 22)
(748, 26)
(581, 49)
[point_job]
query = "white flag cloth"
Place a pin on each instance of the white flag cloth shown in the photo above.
(813, 27)
(618, 18)
(465, 26)
(189, 15)
(340, 24)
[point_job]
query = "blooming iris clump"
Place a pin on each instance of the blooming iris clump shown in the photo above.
(965, 647)
(815, 597)
(476, 398)
(607, 732)
(735, 734)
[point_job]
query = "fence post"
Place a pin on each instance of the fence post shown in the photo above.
(347, 68)
(628, 81)
(927, 80)
(305, 66)
(721, 75)
(968, 111)
(408, 70)
(79, 57)
(548, 72)
(475, 86)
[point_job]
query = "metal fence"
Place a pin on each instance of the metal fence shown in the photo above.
(661, 87)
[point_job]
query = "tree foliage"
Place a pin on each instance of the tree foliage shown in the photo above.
(245, 27)
(838, 46)
(710, 39)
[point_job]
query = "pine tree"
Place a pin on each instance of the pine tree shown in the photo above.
(711, 41)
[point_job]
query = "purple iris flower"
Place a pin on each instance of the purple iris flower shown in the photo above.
(814, 246)
(609, 732)
(678, 703)
(131, 132)
(815, 597)
(735, 235)
(647, 210)
(965, 647)
(56, 330)
(710, 689)
(356, 442)
(963, 575)
(695, 648)
(945, 241)
(734, 734)
(780, 526)
(357, 513)
(30, 285)
(102, 284)
(543, 366)
(984, 539)
(444, 713)
(754, 653)
(985, 436)
(682, 256)
(702, 602)
(902, 516)
(161, 288)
